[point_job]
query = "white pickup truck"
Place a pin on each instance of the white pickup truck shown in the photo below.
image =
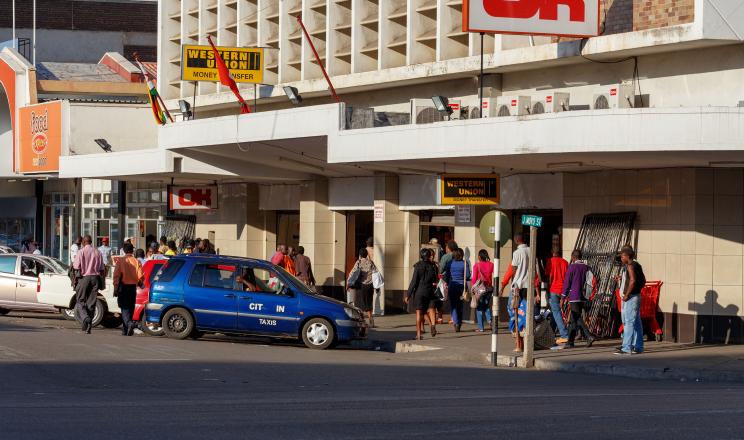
(55, 289)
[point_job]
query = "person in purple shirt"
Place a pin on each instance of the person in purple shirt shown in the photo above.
(578, 277)
(89, 262)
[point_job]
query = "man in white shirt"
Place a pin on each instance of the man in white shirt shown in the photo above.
(75, 248)
(105, 251)
(520, 267)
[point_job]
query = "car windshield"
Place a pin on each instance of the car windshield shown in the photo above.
(57, 265)
(296, 283)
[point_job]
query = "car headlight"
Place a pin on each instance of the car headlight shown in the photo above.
(352, 313)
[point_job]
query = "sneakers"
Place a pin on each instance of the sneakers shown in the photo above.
(589, 342)
(561, 340)
(620, 352)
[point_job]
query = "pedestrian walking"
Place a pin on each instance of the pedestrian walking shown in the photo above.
(304, 267)
(139, 254)
(366, 291)
(455, 275)
(421, 291)
(483, 273)
(278, 258)
(520, 267)
(129, 240)
(105, 251)
(577, 288)
(90, 264)
(632, 281)
(75, 248)
(127, 275)
(172, 249)
(555, 270)
(289, 263)
(443, 265)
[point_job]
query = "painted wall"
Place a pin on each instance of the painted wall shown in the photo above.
(126, 128)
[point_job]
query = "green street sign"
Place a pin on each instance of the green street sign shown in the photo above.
(532, 220)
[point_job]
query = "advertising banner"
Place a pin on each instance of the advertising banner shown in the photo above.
(246, 64)
(40, 137)
(192, 198)
(569, 18)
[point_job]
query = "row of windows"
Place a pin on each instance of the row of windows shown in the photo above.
(227, 277)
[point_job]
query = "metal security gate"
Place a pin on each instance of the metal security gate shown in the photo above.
(600, 239)
(178, 227)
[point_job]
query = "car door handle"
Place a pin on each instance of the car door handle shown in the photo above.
(245, 297)
(21, 284)
(229, 295)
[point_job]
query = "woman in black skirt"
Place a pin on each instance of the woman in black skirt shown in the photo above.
(421, 291)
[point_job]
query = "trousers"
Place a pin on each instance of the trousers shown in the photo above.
(632, 324)
(577, 322)
(454, 293)
(85, 297)
(126, 298)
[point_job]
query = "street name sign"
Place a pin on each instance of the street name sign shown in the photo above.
(532, 220)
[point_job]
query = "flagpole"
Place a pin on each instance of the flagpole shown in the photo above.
(34, 36)
(15, 42)
(317, 58)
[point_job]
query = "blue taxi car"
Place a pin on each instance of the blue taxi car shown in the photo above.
(194, 294)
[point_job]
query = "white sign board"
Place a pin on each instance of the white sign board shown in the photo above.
(463, 214)
(569, 18)
(379, 212)
(192, 198)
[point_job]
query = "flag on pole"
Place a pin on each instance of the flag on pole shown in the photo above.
(226, 79)
(156, 102)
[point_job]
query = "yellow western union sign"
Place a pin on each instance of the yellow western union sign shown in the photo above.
(245, 64)
(470, 189)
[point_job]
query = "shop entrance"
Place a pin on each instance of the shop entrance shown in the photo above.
(288, 228)
(437, 226)
(359, 227)
(58, 232)
(549, 235)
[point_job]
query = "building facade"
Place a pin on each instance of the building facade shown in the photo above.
(644, 118)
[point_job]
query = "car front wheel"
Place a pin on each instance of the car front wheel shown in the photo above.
(318, 334)
(178, 323)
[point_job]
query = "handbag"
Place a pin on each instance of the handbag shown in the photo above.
(441, 291)
(354, 282)
(377, 280)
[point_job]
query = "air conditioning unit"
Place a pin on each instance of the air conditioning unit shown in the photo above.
(512, 106)
(424, 112)
(489, 108)
(552, 102)
(614, 96)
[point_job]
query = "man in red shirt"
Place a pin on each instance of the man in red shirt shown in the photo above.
(555, 270)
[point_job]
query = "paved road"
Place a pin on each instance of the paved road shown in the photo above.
(59, 383)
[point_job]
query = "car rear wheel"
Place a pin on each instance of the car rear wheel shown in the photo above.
(4, 311)
(150, 328)
(178, 323)
(318, 334)
(98, 315)
(68, 314)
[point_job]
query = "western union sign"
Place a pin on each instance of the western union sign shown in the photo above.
(245, 64)
(470, 189)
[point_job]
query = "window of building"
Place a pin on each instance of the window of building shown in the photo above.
(97, 199)
(87, 198)
(107, 198)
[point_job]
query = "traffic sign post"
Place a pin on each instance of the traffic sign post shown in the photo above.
(533, 222)
(495, 227)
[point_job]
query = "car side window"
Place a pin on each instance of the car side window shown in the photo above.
(214, 276)
(257, 279)
(8, 263)
(30, 268)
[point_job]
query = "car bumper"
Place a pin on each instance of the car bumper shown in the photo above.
(349, 330)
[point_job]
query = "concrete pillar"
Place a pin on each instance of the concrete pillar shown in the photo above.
(394, 249)
(323, 235)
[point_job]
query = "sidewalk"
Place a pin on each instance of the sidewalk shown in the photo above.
(661, 360)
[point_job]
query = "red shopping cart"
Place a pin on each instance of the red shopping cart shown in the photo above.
(649, 305)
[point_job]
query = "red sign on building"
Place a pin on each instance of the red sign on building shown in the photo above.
(192, 198)
(572, 18)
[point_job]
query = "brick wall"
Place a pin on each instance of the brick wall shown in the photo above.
(621, 16)
(78, 15)
(649, 14)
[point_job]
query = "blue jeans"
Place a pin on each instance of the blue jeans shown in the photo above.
(632, 325)
(483, 307)
(555, 312)
(454, 293)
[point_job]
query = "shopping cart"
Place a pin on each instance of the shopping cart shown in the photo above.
(649, 305)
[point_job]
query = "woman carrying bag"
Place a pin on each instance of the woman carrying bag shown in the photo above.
(482, 289)
(421, 291)
(127, 275)
(364, 289)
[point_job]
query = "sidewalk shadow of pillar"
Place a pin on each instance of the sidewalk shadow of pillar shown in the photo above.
(716, 324)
